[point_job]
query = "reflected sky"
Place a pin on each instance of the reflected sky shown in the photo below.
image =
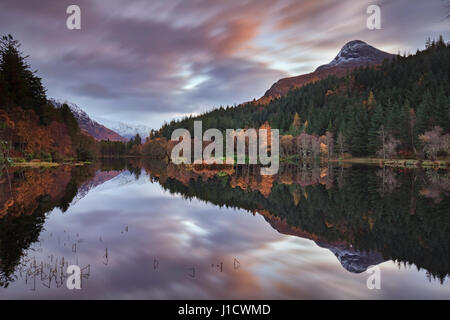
(161, 246)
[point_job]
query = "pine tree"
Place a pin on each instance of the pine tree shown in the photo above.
(376, 121)
(69, 119)
(357, 132)
(137, 140)
(441, 109)
(423, 114)
(130, 144)
(412, 124)
(22, 86)
(404, 126)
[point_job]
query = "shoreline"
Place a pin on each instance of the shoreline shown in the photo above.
(399, 163)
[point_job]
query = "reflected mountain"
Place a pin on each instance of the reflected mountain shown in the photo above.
(352, 260)
(363, 215)
(100, 178)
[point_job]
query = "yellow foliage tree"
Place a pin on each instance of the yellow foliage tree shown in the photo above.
(297, 123)
(371, 100)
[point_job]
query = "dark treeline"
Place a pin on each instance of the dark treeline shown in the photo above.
(118, 148)
(402, 106)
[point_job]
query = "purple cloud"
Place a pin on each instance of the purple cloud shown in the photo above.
(150, 61)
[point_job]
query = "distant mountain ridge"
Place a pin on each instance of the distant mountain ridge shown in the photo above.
(126, 130)
(93, 128)
(353, 54)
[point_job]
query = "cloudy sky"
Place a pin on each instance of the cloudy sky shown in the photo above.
(146, 61)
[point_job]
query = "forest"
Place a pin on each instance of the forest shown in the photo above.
(398, 109)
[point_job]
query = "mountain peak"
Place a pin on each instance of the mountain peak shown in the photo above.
(356, 53)
(354, 43)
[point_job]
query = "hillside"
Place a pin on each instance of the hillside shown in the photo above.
(353, 54)
(401, 107)
(93, 128)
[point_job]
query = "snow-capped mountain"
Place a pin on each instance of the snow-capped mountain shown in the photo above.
(126, 130)
(356, 53)
(86, 124)
(353, 54)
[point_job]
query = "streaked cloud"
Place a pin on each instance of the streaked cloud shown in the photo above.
(149, 61)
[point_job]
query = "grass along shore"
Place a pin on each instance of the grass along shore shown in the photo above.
(401, 163)
(36, 163)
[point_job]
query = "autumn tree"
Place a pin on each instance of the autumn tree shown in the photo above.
(296, 125)
(434, 141)
(388, 144)
(287, 146)
(371, 100)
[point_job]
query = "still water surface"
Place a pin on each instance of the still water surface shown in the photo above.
(161, 232)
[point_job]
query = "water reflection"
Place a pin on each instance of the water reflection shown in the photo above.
(149, 229)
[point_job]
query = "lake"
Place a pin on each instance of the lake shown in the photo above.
(140, 229)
